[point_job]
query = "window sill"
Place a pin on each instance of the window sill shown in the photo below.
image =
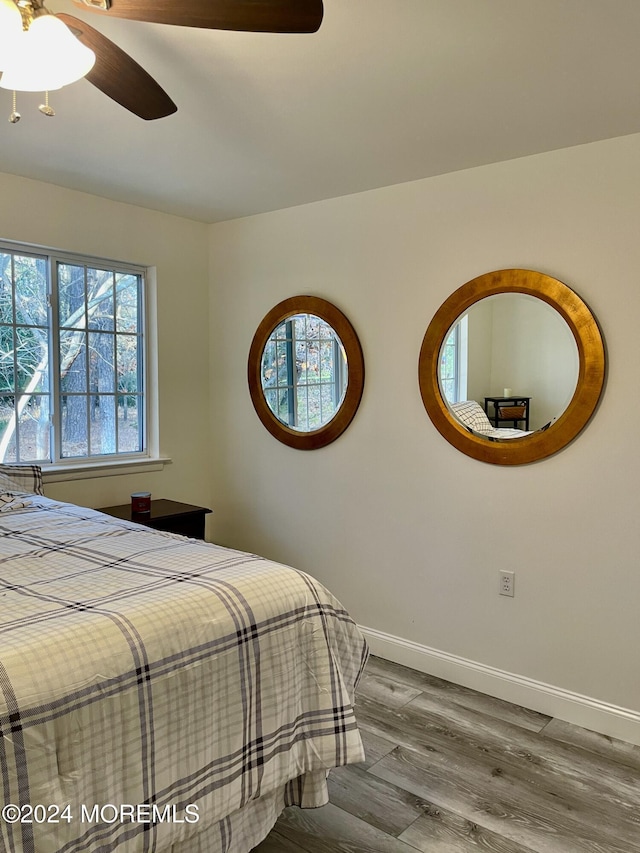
(64, 472)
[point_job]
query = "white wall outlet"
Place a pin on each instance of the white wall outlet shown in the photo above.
(507, 583)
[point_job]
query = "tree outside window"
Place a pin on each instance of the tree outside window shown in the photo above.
(71, 358)
(304, 372)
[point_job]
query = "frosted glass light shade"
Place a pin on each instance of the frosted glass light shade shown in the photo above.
(10, 29)
(46, 57)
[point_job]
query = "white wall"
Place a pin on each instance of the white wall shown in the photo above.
(407, 531)
(50, 216)
(520, 342)
(480, 351)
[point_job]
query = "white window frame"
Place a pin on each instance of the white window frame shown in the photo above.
(460, 346)
(149, 458)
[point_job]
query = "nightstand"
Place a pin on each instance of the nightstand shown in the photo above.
(508, 409)
(170, 516)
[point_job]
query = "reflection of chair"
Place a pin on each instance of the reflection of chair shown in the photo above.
(472, 415)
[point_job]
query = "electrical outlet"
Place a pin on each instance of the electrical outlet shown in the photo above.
(507, 583)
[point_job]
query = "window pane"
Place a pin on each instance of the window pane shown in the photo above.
(306, 363)
(34, 429)
(271, 396)
(127, 362)
(326, 331)
(129, 424)
(33, 359)
(448, 389)
(328, 401)
(313, 326)
(74, 426)
(283, 332)
(103, 424)
(449, 379)
(71, 304)
(105, 365)
(282, 364)
(73, 362)
(100, 299)
(127, 302)
(31, 290)
(7, 364)
(7, 430)
(308, 408)
(24, 358)
(300, 326)
(6, 289)
(448, 362)
(327, 365)
(269, 364)
(102, 366)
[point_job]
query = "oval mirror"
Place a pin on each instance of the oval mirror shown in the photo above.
(305, 372)
(511, 367)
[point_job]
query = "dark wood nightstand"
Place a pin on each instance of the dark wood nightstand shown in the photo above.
(170, 516)
(508, 410)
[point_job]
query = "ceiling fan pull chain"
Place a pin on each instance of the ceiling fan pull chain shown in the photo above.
(15, 115)
(45, 109)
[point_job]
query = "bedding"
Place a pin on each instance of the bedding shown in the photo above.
(472, 415)
(159, 693)
(20, 479)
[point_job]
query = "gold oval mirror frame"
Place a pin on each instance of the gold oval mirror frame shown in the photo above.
(347, 337)
(542, 443)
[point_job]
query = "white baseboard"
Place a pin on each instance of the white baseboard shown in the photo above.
(584, 711)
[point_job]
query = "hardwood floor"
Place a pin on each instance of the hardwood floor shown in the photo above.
(449, 770)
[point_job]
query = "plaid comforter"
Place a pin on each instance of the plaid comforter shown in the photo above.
(158, 693)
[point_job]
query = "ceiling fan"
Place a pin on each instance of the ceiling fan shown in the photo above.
(121, 78)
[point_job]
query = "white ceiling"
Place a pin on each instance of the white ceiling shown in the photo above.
(387, 91)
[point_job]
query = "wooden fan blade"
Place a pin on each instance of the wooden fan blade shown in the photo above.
(119, 76)
(258, 16)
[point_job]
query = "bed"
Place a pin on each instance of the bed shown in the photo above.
(475, 419)
(159, 693)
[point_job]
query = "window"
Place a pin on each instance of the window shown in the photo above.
(71, 358)
(453, 362)
(304, 372)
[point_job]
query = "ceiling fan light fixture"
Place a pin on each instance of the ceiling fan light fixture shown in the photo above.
(45, 57)
(10, 29)
(51, 50)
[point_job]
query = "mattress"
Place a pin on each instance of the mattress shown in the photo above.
(159, 693)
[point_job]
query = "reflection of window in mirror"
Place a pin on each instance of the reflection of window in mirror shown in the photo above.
(304, 372)
(454, 361)
(559, 366)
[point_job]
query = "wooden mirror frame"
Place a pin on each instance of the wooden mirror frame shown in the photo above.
(591, 354)
(355, 376)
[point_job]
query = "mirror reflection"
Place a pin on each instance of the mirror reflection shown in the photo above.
(564, 424)
(304, 372)
(508, 366)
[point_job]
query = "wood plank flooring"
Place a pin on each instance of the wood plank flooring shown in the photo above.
(450, 770)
